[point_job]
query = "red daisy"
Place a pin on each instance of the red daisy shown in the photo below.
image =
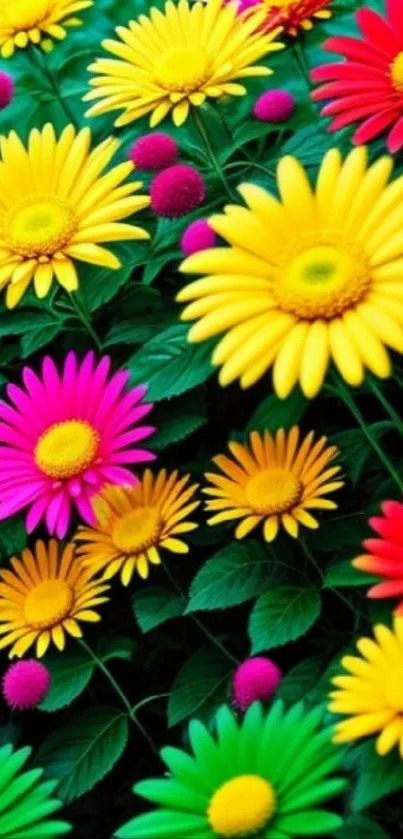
(291, 15)
(385, 554)
(368, 86)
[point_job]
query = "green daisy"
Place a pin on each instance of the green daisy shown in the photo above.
(25, 801)
(259, 779)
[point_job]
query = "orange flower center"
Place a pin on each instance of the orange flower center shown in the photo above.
(396, 72)
(317, 279)
(137, 531)
(48, 604)
(66, 449)
(273, 491)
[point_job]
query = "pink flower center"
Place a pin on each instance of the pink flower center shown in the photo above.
(66, 449)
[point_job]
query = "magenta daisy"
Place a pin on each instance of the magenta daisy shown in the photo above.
(64, 436)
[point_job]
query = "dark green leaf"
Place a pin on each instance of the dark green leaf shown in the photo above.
(37, 338)
(82, 752)
(116, 646)
(301, 679)
(355, 449)
(282, 614)
(137, 331)
(358, 827)
(170, 365)
(377, 777)
(153, 606)
(343, 574)
(234, 575)
(274, 413)
(70, 674)
(177, 419)
(200, 686)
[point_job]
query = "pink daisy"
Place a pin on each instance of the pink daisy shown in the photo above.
(65, 436)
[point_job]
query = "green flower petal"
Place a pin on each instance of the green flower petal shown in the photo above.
(173, 794)
(310, 823)
(270, 739)
(207, 754)
(186, 769)
(249, 738)
(167, 824)
(315, 795)
(48, 830)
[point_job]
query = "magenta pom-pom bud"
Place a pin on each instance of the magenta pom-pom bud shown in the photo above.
(177, 191)
(274, 106)
(25, 684)
(255, 679)
(154, 151)
(198, 237)
(6, 89)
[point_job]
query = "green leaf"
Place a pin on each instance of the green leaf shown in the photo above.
(138, 331)
(38, 338)
(116, 646)
(282, 614)
(355, 449)
(155, 605)
(19, 323)
(274, 413)
(70, 674)
(82, 752)
(170, 365)
(343, 574)
(377, 777)
(177, 419)
(301, 679)
(200, 686)
(13, 536)
(358, 827)
(233, 575)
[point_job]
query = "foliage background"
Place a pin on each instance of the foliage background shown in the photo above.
(301, 601)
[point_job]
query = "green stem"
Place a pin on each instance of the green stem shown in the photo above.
(301, 63)
(199, 623)
(85, 321)
(38, 61)
(148, 700)
(377, 391)
(310, 557)
(131, 712)
(210, 151)
(251, 164)
(348, 400)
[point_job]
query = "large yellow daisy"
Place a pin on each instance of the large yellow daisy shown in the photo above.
(56, 206)
(370, 693)
(134, 523)
(24, 22)
(46, 594)
(274, 481)
(170, 60)
(314, 277)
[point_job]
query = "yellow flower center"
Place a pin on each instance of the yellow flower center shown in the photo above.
(393, 689)
(182, 70)
(24, 14)
(273, 491)
(39, 226)
(137, 531)
(66, 448)
(396, 72)
(48, 604)
(242, 806)
(321, 280)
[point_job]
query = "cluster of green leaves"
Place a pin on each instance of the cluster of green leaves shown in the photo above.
(176, 643)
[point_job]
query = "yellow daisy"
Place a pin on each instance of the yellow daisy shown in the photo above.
(170, 60)
(314, 277)
(25, 22)
(46, 594)
(371, 694)
(56, 206)
(133, 523)
(274, 481)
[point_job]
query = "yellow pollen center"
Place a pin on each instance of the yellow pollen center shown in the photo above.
(182, 70)
(39, 226)
(24, 14)
(66, 449)
(273, 491)
(396, 72)
(48, 604)
(393, 690)
(137, 531)
(321, 281)
(241, 806)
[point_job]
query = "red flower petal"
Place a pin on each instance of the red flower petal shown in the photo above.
(378, 32)
(389, 589)
(356, 49)
(394, 13)
(374, 126)
(395, 139)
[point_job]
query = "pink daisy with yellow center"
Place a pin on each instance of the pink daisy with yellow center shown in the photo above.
(64, 436)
